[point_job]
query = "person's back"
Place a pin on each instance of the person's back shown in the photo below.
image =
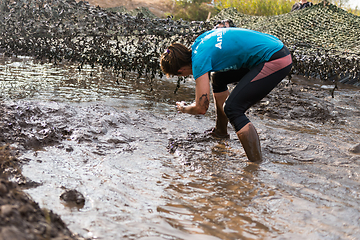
(210, 48)
(301, 5)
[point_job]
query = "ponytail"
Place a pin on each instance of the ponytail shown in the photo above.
(175, 57)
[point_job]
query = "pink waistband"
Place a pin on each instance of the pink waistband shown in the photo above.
(273, 66)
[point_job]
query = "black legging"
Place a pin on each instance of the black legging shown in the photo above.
(253, 85)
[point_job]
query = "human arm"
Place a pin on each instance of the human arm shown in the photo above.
(202, 97)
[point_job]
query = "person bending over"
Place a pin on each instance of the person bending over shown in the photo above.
(256, 61)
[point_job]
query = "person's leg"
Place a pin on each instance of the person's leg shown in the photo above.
(221, 119)
(250, 141)
(251, 89)
(220, 80)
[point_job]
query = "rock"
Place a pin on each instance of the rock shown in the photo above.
(73, 198)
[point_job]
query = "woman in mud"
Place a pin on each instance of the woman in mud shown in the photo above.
(257, 61)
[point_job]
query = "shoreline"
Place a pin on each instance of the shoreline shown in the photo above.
(21, 218)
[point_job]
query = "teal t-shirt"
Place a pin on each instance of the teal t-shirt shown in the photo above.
(231, 48)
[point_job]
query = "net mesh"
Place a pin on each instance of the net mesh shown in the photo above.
(324, 40)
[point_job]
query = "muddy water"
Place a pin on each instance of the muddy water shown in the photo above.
(147, 172)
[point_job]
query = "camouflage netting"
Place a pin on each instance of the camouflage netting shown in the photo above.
(66, 30)
(324, 40)
(140, 10)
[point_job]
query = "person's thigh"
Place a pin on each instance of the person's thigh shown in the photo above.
(248, 92)
(220, 80)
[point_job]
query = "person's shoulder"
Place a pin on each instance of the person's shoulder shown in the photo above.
(237, 30)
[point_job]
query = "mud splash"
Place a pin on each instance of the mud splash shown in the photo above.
(147, 172)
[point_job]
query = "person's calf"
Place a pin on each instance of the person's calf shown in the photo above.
(250, 141)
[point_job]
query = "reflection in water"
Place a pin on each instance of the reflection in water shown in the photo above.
(219, 206)
(147, 172)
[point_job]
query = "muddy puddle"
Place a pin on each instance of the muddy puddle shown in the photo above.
(148, 172)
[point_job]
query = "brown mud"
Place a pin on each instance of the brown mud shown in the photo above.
(24, 127)
(20, 217)
(305, 101)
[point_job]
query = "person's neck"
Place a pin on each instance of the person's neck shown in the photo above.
(303, 1)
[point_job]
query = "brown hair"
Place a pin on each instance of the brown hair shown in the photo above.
(175, 57)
